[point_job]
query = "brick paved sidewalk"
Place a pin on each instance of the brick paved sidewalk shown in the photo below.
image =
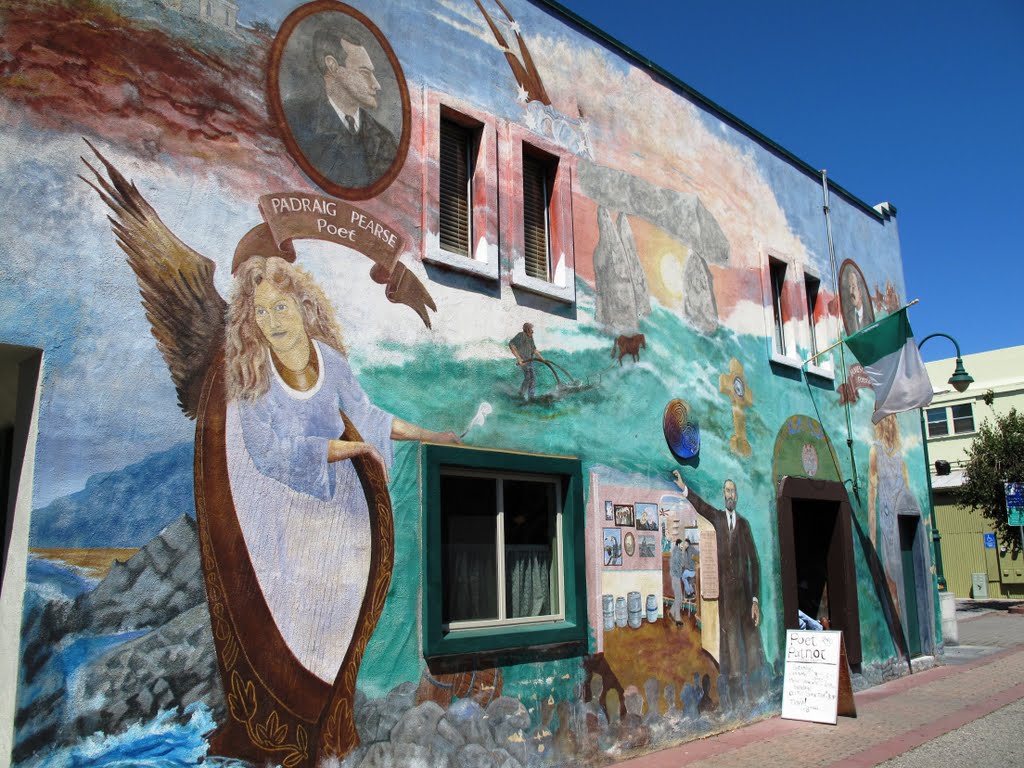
(892, 718)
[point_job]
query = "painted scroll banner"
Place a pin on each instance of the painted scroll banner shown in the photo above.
(303, 216)
(810, 687)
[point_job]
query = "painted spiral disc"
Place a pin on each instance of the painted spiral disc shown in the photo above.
(681, 434)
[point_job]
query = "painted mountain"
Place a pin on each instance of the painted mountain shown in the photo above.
(125, 508)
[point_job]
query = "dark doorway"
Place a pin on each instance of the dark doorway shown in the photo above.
(816, 554)
(908, 538)
(19, 372)
(814, 525)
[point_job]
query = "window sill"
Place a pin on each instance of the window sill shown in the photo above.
(457, 262)
(503, 639)
(561, 293)
(786, 360)
(954, 436)
(824, 373)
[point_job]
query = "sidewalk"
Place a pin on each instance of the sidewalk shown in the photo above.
(984, 673)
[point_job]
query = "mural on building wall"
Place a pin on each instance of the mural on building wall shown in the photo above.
(528, 79)
(742, 660)
(888, 302)
(854, 298)
(147, 538)
(734, 386)
(646, 613)
(339, 97)
(802, 449)
(682, 434)
(889, 497)
(282, 424)
(856, 379)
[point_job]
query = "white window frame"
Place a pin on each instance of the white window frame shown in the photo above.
(786, 352)
(561, 283)
(929, 422)
(796, 342)
(557, 556)
(817, 335)
(953, 419)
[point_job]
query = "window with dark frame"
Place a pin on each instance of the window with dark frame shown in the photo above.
(503, 549)
(938, 426)
(963, 418)
(457, 156)
(777, 276)
(812, 286)
(538, 182)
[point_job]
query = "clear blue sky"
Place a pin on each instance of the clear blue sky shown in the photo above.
(917, 103)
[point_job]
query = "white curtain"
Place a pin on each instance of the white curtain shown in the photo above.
(473, 588)
(528, 580)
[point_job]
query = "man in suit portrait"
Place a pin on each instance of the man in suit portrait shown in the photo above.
(855, 303)
(742, 667)
(336, 130)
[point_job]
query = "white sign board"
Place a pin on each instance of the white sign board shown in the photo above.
(810, 688)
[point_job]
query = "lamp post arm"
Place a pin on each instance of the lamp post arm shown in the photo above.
(943, 335)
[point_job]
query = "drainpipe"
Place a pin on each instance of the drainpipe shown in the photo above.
(842, 350)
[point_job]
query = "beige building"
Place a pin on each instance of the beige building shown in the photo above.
(975, 565)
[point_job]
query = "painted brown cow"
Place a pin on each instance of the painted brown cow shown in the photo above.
(629, 345)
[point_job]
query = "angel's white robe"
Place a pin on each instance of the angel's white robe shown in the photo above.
(305, 521)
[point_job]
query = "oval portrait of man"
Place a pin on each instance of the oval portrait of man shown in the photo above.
(854, 299)
(339, 98)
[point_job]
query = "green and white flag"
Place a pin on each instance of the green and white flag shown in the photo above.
(887, 350)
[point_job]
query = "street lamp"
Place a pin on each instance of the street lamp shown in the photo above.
(960, 381)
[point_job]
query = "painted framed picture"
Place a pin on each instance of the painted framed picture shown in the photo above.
(624, 515)
(646, 516)
(339, 98)
(854, 300)
(648, 546)
(693, 534)
(609, 512)
(612, 546)
(629, 544)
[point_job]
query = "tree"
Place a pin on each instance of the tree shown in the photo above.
(995, 456)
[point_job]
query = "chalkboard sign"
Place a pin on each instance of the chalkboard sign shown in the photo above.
(810, 688)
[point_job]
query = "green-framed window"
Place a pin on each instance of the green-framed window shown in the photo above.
(503, 555)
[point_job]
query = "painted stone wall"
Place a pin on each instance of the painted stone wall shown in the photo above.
(249, 326)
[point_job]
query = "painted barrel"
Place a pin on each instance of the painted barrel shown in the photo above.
(609, 611)
(635, 607)
(652, 608)
(620, 611)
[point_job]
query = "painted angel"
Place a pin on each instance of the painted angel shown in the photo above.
(291, 463)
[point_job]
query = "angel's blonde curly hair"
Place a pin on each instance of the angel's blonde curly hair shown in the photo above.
(248, 364)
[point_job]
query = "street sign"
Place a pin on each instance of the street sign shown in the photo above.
(1014, 503)
(990, 541)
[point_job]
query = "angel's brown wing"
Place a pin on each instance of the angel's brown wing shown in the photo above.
(185, 311)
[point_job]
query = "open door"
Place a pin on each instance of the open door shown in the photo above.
(816, 552)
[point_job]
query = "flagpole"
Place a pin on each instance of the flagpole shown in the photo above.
(827, 211)
(858, 333)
